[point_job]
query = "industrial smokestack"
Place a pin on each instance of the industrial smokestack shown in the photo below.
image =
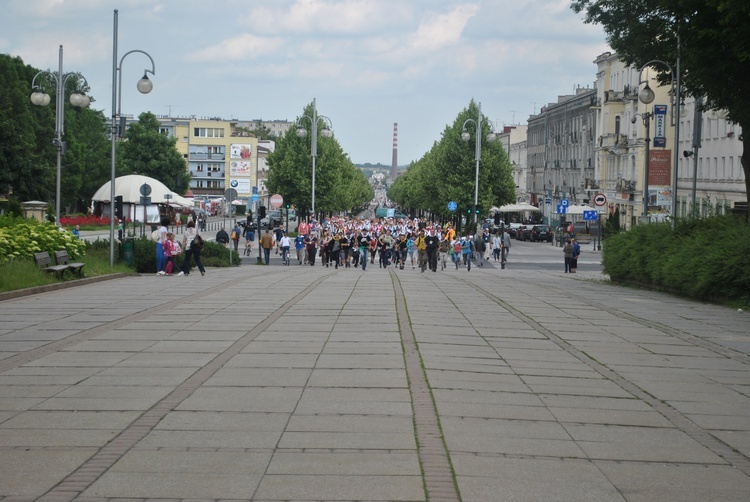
(394, 161)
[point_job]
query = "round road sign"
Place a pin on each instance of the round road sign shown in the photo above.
(600, 199)
(276, 200)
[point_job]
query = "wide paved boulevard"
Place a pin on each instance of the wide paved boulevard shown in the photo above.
(308, 383)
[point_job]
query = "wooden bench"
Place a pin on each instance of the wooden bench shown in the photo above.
(61, 257)
(45, 262)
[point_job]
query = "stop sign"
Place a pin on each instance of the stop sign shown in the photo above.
(276, 200)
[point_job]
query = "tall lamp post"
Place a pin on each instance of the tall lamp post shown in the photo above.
(466, 136)
(40, 97)
(647, 123)
(326, 132)
(647, 96)
(144, 87)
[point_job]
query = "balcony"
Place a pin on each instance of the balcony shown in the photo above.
(613, 96)
(625, 186)
(206, 156)
(613, 140)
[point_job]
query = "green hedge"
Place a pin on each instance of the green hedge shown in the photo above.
(708, 259)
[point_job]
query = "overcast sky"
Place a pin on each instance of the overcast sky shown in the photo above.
(369, 63)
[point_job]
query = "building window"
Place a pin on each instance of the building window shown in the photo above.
(208, 132)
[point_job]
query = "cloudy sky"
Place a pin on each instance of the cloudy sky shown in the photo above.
(369, 63)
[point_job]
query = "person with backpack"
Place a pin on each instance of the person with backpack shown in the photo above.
(576, 254)
(192, 242)
(236, 233)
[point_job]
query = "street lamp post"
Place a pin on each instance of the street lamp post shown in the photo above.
(466, 136)
(647, 96)
(647, 123)
(40, 98)
(326, 132)
(144, 87)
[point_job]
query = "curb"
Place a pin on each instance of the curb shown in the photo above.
(19, 293)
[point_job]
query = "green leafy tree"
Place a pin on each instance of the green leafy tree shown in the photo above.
(339, 185)
(150, 153)
(27, 157)
(448, 172)
(714, 48)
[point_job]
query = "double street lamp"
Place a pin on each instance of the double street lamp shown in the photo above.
(326, 132)
(144, 87)
(40, 97)
(647, 96)
(466, 136)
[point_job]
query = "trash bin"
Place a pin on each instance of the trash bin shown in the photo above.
(128, 251)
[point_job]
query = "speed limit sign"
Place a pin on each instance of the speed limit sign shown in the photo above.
(600, 199)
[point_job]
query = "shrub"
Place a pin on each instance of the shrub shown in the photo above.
(704, 259)
(22, 237)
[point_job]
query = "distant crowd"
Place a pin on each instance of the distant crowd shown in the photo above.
(353, 243)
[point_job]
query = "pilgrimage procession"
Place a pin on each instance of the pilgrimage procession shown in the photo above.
(401, 243)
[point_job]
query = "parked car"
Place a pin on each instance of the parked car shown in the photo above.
(524, 233)
(541, 233)
(272, 220)
(513, 229)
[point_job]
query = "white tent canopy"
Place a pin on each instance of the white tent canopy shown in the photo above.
(516, 208)
(579, 209)
(130, 188)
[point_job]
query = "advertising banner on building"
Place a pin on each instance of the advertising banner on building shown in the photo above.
(660, 167)
(238, 168)
(660, 126)
(238, 151)
(242, 185)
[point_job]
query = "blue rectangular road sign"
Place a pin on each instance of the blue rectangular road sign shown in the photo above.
(590, 215)
(561, 209)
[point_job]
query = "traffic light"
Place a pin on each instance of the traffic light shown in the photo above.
(262, 211)
(478, 209)
(118, 206)
(468, 210)
(288, 206)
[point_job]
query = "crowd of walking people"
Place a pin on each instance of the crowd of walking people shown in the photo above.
(340, 242)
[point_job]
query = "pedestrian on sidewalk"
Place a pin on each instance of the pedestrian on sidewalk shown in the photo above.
(266, 242)
(568, 254)
(576, 254)
(193, 244)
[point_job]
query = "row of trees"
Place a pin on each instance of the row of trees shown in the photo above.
(28, 159)
(447, 173)
(339, 184)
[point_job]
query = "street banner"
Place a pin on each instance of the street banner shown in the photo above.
(660, 126)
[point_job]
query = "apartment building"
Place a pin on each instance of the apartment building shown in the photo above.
(513, 139)
(223, 154)
(712, 173)
(621, 148)
(560, 152)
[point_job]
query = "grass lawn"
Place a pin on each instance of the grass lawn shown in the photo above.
(24, 273)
